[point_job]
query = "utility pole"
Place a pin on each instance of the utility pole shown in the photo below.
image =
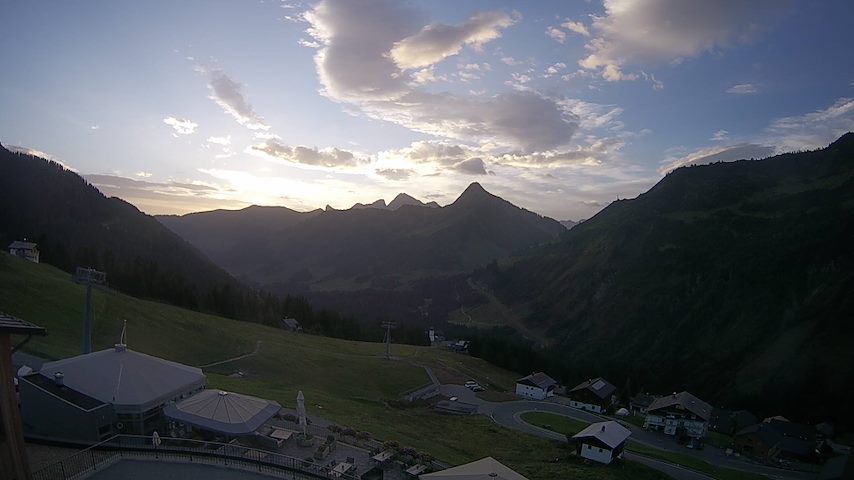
(88, 277)
(388, 326)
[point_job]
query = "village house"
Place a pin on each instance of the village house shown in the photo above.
(537, 386)
(777, 439)
(729, 422)
(601, 442)
(680, 414)
(291, 324)
(25, 249)
(594, 395)
(640, 402)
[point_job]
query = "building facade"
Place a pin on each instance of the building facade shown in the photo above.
(594, 395)
(26, 250)
(96, 395)
(680, 414)
(536, 386)
(601, 442)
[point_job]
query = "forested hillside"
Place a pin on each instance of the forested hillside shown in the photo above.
(733, 280)
(74, 225)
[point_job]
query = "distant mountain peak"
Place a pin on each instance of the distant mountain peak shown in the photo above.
(378, 204)
(475, 193)
(404, 199)
(475, 188)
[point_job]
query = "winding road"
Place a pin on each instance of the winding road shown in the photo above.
(509, 414)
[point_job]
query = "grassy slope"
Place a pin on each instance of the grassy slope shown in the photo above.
(347, 379)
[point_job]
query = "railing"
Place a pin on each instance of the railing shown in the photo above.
(102, 455)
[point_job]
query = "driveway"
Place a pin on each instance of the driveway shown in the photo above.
(508, 414)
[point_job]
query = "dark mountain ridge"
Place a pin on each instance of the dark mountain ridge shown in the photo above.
(363, 247)
(74, 225)
(733, 280)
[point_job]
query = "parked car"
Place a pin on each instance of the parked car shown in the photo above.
(477, 388)
(469, 384)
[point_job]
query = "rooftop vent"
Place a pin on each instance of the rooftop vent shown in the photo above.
(603, 428)
(59, 379)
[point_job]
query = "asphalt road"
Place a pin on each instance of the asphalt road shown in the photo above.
(508, 414)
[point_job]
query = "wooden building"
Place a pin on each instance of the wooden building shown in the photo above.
(594, 395)
(13, 454)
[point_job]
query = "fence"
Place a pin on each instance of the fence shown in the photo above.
(102, 455)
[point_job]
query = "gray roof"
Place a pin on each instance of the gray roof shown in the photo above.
(484, 469)
(223, 412)
(598, 386)
(17, 244)
(683, 400)
(610, 433)
(14, 325)
(126, 378)
(538, 379)
(20, 359)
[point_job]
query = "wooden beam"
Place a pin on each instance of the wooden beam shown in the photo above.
(13, 453)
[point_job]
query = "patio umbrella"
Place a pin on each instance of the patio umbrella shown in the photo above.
(301, 411)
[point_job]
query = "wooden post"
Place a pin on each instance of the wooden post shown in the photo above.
(13, 453)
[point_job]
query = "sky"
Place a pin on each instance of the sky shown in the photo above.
(559, 107)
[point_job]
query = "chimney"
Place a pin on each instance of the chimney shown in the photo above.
(59, 379)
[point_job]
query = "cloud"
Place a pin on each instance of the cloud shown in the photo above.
(556, 34)
(395, 174)
(181, 126)
(308, 43)
(720, 136)
(436, 42)
(226, 140)
(653, 32)
(355, 67)
(472, 166)
(718, 154)
(166, 197)
(576, 27)
(743, 88)
(426, 75)
(554, 69)
(812, 130)
(143, 174)
(228, 94)
(327, 157)
(455, 157)
(94, 127)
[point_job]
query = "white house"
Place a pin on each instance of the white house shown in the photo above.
(679, 414)
(27, 250)
(537, 386)
(601, 442)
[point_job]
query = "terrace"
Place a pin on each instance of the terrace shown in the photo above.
(130, 456)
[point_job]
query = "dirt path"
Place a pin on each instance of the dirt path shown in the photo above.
(234, 359)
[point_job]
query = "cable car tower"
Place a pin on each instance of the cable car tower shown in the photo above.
(88, 277)
(388, 326)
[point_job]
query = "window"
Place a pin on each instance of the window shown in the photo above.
(589, 447)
